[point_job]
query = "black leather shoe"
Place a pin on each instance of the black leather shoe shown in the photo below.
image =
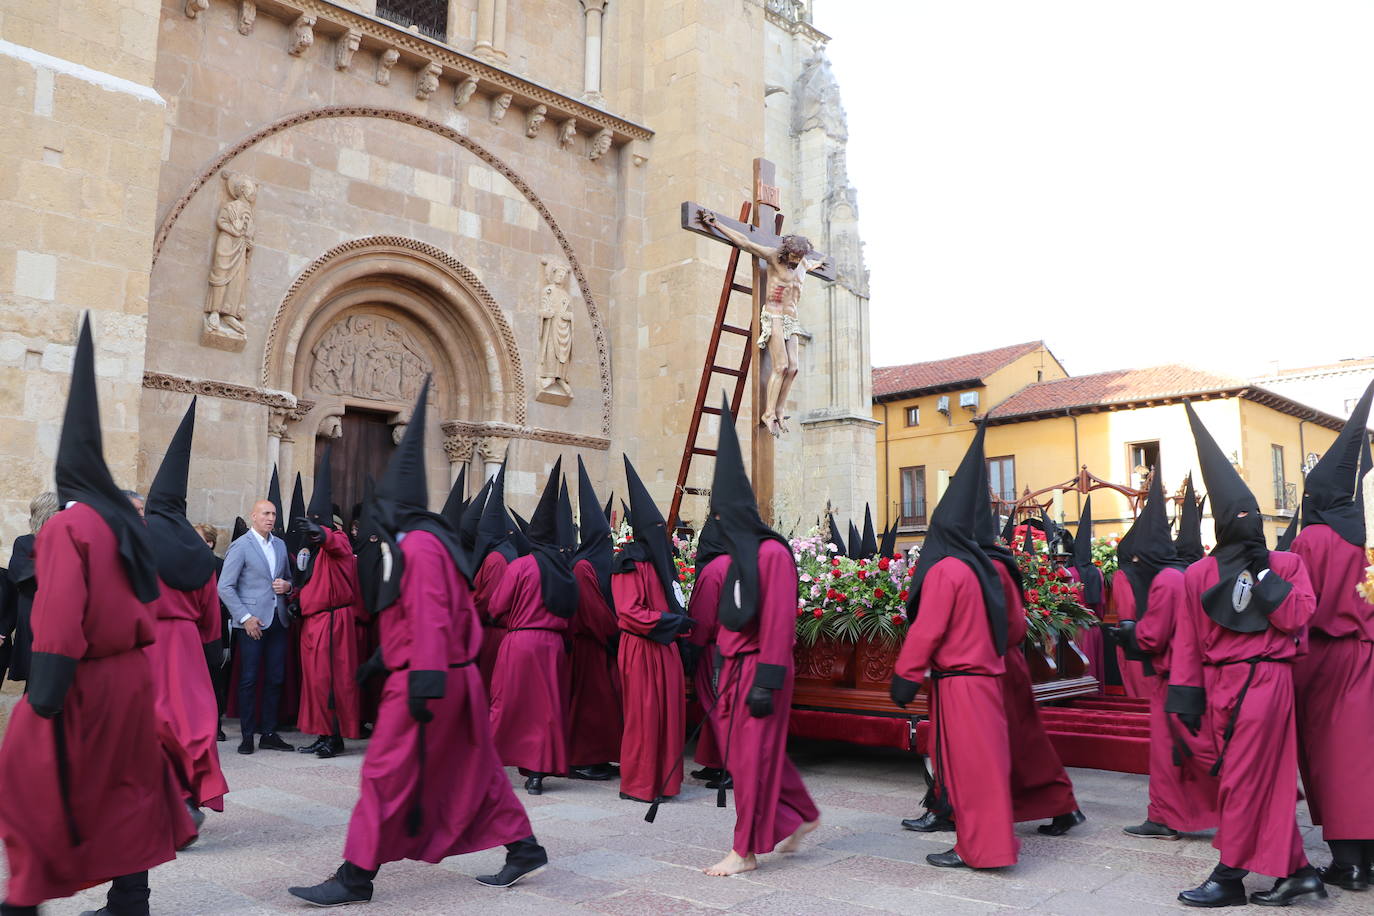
(246, 745)
(727, 783)
(1062, 823)
(1212, 893)
(660, 800)
(1349, 877)
(330, 893)
(708, 774)
(930, 822)
(1152, 831)
(523, 859)
(273, 742)
(534, 785)
(1286, 890)
(510, 874)
(221, 736)
(948, 859)
(599, 772)
(330, 747)
(313, 746)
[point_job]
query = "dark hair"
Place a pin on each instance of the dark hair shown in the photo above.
(798, 245)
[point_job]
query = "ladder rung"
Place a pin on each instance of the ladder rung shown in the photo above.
(696, 491)
(714, 411)
(724, 371)
(731, 329)
(741, 288)
(708, 452)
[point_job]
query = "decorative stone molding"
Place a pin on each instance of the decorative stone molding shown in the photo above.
(463, 94)
(534, 119)
(597, 325)
(600, 143)
(499, 106)
(567, 133)
(195, 7)
(385, 61)
(794, 16)
(295, 408)
(427, 82)
(458, 446)
(248, 14)
(302, 34)
(344, 47)
(494, 436)
(379, 35)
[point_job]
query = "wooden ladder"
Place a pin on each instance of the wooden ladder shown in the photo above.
(711, 367)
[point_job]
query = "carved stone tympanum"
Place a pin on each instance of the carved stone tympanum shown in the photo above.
(234, 230)
(555, 335)
(369, 356)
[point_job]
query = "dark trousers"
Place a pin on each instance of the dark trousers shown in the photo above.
(263, 659)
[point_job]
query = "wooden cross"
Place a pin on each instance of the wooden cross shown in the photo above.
(764, 228)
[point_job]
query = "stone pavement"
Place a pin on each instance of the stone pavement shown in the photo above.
(284, 823)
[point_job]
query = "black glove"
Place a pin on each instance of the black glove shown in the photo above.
(311, 532)
(1190, 721)
(424, 685)
(418, 710)
(370, 668)
(760, 702)
(685, 625)
(690, 654)
(767, 678)
(903, 691)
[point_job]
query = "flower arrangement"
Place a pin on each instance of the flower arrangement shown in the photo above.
(848, 600)
(1054, 602)
(686, 562)
(1104, 555)
(1366, 588)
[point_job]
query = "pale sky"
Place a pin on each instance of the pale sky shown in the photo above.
(1133, 182)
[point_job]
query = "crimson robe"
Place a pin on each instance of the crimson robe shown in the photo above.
(771, 800)
(531, 677)
(330, 606)
(489, 576)
(972, 757)
(1040, 786)
(468, 804)
(122, 797)
(1335, 689)
(703, 609)
(1134, 681)
(1257, 797)
(187, 712)
(594, 718)
(1183, 794)
(653, 689)
(1090, 639)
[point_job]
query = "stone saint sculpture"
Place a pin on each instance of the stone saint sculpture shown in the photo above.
(229, 269)
(555, 334)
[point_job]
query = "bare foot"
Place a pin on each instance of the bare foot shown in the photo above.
(793, 843)
(234, 324)
(733, 864)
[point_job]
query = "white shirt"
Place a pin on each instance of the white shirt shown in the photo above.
(265, 543)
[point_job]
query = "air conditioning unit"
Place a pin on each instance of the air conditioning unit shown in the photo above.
(942, 405)
(969, 400)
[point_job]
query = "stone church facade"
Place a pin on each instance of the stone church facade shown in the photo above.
(298, 209)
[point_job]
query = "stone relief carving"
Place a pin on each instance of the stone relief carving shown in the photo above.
(248, 14)
(459, 447)
(600, 143)
(555, 334)
(369, 356)
(398, 432)
(428, 81)
(463, 94)
(567, 133)
(276, 423)
(499, 106)
(817, 99)
(228, 279)
(534, 120)
(344, 48)
(302, 34)
(331, 428)
(195, 7)
(493, 449)
(385, 62)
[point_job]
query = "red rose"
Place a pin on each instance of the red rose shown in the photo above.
(801, 611)
(1063, 574)
(884, 563)
(863, 575)
(834, 561)
(692, 570)
(1044, 613)
(841, 597)
(681, 577)
(817, 613)
(903, 594)
(879, 593)
(896, 618)
(909, 572)
(863, 562)
(1033, 595)
(836, 573)
(831, 594)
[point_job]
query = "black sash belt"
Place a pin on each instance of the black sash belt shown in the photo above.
(1240, 701)
(549, 629)
(940, 799)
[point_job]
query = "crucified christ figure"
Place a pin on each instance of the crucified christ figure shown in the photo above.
(778, 324)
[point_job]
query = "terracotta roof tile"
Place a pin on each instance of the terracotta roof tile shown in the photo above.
(1116, 387)
(971, 368)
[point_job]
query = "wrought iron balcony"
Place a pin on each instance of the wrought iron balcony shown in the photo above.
(429, 17)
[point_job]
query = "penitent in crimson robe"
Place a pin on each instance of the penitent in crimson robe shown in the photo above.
(331, 701)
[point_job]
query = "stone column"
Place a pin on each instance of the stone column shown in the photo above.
(276, 435)
(493, 454)
(594, 11)
(491, 30)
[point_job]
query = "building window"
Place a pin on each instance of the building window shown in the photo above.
(913, 416)
(1144, 459)
(430, 17)
(1280, 481)
(1002, 478)
(913, 497)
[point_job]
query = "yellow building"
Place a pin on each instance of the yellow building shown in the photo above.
(1044, 425)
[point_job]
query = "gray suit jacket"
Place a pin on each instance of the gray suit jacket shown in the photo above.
(245, 583)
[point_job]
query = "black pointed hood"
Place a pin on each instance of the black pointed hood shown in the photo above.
(651, 544)
(457, 502)
(83, 476)
(471, 521)
(1009, 529)
(1240, 601)
(953, 531)
(1147, 548)
(543, 525)
(594, 527)
(1088, 573)
(566, 525)
(854, 548)
(183, 561)
(554, 553)
(240, 528)
(497, 531)
(738, 527)
(610, 502)
(1188, 543)
(1290, 533)
(1333, 493)
(274, 497)
(321, 508)
(837, 537)
(868, 546)
(985, 531)
(399, 505)
(889, 545)
(298, 507)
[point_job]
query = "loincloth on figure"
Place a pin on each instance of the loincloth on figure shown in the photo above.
(791, 326)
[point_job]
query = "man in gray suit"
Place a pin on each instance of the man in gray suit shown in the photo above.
(252, 587)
